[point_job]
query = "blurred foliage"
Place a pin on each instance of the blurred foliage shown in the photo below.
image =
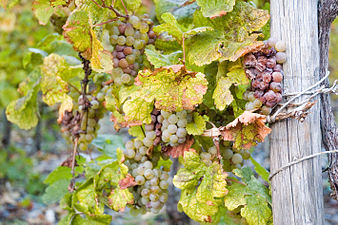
(19, 30)
(16, 167)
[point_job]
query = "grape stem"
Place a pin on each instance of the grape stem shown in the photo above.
(125, 8)
(108, 21)
(72, 182)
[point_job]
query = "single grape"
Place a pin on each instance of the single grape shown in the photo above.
(172, 128)
(129, 30)
(153, 197)
(277, 77)
(164, 176)
(130, 41)
(121, 40)
(212, 150)
(163, 197)
(228, 153)
(280, 46)
(139, 180)
(172, 119)
(125, 78)
(173, 139)
(281, 57)
(135, 21)
(245, 154)
(83, 146)
(130, 153)
(148, 165)
(265, 110)
(237, 158)
(182, 123)
(144, 27)
(130, 59)
(181, 140)
(151, 135)
(181, 132)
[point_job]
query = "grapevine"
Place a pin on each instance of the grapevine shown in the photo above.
(197, 89)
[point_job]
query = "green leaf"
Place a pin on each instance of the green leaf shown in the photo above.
(92, 220)
(183, 14)
(172, 88)
(157, 59)
(61, 172)
(197, 126)
(24, 111)
(261, 171)
(215, 8)
(131, 5)
(42, 10)
(85, 199)
(253, 198)
(55, 191)
(222, 94)
(202, 187)
(108, 143)
(171, 26)
(77, 31)
(137, 132)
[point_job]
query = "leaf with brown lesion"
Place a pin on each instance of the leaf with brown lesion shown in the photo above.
(127, 182)
(179, 150)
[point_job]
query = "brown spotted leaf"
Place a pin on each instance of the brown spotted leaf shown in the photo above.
(179, 150)
(248, 129)
(127, 182)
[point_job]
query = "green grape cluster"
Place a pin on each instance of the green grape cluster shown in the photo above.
(174, 126)
(129, 37)
(233, 158)
(150, 193)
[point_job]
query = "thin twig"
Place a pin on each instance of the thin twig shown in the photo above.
(300, 160)
(125, 8)
(75, 88)
(74, 155)
(108, 21)
(183, 48)
(234, 180)
(297, 96)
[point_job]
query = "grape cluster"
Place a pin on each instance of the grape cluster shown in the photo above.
(233, 158)
(83, 123)
(153, 130)
(150, 193)
(174, 126)
(264, 69)
(129, 36)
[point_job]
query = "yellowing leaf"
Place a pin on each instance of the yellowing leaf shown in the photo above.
(77, 31)
(202, 187)
(215, 8)
(222, 95)
(172, 88)
(158, 59)
(248, 129)
(197, 126)
(171, 26)
(42, 10)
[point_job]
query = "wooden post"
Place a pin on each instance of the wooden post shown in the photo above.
(297, 192)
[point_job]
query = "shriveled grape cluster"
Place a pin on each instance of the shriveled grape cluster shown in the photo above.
(90, 118)
(264, 69)
(83, 123)
(174, 126)
(129, 36)
(150, 193)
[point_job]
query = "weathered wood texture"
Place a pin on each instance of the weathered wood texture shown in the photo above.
(297, 191)
(328, 10)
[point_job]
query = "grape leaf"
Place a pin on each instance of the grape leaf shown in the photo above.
(56, 74)
(136, 132)
(246, 130)
(130, 5)
(253, 198)
(215, 8)
(24, 111)
(91, 220)
(260, 170)
(42, 10)
(202, 187)
(85, 199)
(55, 191)
(157, 59)
(172, 88)
(127, 182)
(77, 31)
(232, 36)
(61, 172)
(197, 126)
(171, 26)
(176, 151)
(119, 198)
(222, 94)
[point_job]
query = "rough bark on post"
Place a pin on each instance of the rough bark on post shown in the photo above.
(328, 10)
(297, 195)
